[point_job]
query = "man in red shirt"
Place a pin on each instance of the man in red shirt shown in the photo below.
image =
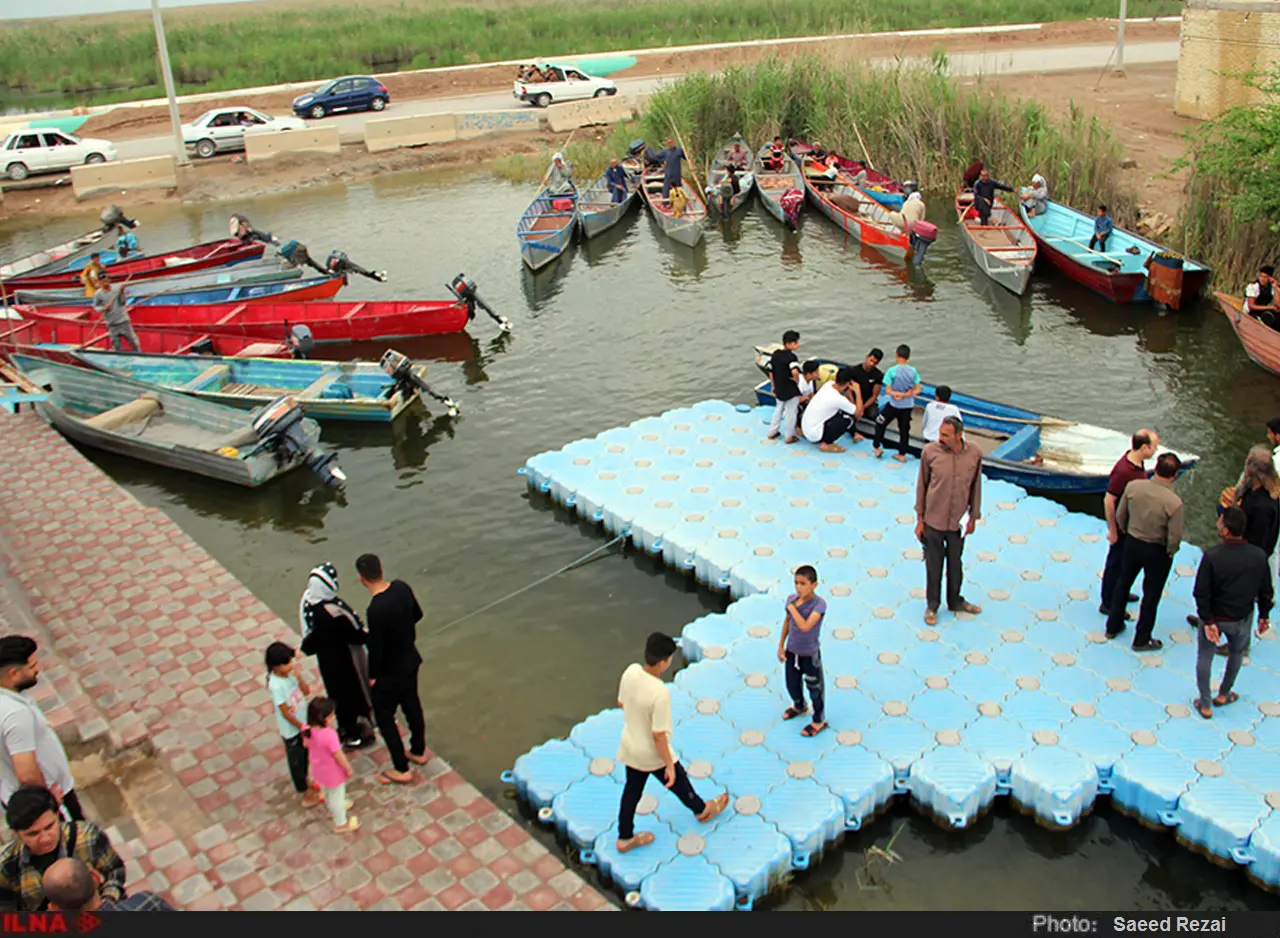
(1129, 468)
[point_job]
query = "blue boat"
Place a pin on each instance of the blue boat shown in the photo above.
(1035, 451)
(316, 288)
(326, 390)
(546, 228)
(203, 279)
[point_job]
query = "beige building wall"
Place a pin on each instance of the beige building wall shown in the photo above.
(1221, 40)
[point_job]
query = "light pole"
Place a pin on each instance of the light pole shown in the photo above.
(163, 50)
(1124, 9)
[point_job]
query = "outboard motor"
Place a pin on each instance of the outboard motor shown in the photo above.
(301, 341)
(922, 235)
(337, 264)
(465, 290)
(294, 254)
(243, 229)
(636, 149)
(113, 215)
(280, 427)
(400, 367)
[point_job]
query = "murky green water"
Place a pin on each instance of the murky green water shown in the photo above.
(633, 325)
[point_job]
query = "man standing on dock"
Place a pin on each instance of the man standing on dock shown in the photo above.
(30, 751)
(1131, 467)
(1150, 515)
(645, 747)
(949, 488)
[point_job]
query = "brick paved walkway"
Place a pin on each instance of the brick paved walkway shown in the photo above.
(155, 645)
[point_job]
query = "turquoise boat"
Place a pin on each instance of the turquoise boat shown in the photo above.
(327, 390)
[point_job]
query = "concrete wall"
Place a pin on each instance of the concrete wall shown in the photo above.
(317, 138)
(1222, 39)
(478, 123)
(609, 110)
(393, 132)
(640, 104)
(152, 172)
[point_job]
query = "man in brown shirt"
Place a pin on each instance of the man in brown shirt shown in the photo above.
(1150, 517)
(949, 486)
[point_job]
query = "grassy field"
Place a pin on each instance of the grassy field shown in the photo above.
(112, 57)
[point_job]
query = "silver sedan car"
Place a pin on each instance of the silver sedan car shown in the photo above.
(223, 129)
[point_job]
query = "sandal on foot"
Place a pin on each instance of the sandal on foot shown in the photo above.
(792, 712)
(713, 808)
(969, 608)
(385, 778)
(1221, 701)
(931, 617)
(639, 840)
(420, 760)
(352, 825)
(1206, 712)
(813, 729)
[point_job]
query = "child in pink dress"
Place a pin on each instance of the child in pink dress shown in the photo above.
(329, 766)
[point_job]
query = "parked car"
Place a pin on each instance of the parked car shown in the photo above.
(50, 151)
(353, 93)
(566, 83)
(224, 129)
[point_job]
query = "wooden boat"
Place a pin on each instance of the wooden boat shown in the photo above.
(1004, 249)
(56, 339)
(249, 272)
(774, 186)
(348, 391)
(1261, 342)
(328, 321)
(746, 177)
(293, 291)
(689, 226)
(597, 212)
(884, 189)
(148, 423)
(545, 229)
(857, 213)
(33, 263)
(1026, 448)
(197, 257)
(17, 389)
(1120, 274)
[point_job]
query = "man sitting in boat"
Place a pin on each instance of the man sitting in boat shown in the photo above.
(984, 195)
(560, 177)
(737, 157)
(110, 302)
(1035, 197)
(1102, 228)
(92, 274)
(913, 210)
(729, 186)
(126, 242)
(775, 156)
(615, 177)
(1260, 297)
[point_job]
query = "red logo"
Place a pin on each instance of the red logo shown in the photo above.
(87, 922)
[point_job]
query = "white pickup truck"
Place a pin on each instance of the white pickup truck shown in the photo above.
(567, 83)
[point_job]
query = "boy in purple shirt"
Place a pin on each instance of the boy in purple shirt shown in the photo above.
(798, 650)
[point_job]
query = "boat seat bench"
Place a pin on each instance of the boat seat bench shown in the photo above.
(207, 377)
(313, 390)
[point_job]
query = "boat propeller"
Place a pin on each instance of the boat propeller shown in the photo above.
(465, 290)
(400, 367)
(280, 429)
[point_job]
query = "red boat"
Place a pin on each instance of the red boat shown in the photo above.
(854, 210)
(197, 257)
(884, 189)
(328, 322)
(56, 339)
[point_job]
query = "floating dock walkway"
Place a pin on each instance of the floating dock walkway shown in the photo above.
(1027, 700)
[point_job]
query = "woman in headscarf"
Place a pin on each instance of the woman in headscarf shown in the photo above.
(560, 177)
(334, 633)
(1258, 495)
(972, 173)
(1035, 197)
(913, 209)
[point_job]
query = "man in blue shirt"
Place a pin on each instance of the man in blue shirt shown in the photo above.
(126, 242)
(615, 177)
(897, 401)
(671, 178)
(1102, 227)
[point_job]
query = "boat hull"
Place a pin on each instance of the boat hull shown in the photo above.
(1005, 250)
(597, 212)
(543, 232)
(198, 257)
(869, 224)
(34, 263)
(1261, 342)
(56, 339)
(716, 176)
(169, 285)
(690, 227)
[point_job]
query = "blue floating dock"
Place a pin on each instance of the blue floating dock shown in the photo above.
(1027, 700)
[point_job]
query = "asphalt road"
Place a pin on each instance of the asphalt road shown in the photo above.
(1009, 62)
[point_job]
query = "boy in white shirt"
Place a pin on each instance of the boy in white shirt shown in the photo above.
(937, 411)
(831, 413)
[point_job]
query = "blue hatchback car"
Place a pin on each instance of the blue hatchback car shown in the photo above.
(353, 93)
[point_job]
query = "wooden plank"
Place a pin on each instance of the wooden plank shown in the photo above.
(213, 371)
(313, 390)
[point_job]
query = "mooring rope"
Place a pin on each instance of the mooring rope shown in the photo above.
(565, 569)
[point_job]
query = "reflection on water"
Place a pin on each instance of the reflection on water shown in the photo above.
(631, 325)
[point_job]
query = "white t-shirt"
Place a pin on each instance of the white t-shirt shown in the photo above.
(23, 728)
(806, 387)
(646, 709)
(934, 414)
(825, 404)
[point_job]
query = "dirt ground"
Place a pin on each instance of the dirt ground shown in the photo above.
(1139, 107)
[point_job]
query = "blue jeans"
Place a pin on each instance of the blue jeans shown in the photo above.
(806, 671)
(1237, 635)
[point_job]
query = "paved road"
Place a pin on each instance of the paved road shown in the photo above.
(1009, 62)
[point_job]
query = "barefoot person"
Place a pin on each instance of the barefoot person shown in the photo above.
(798, 650)
(949, 488)
(645, 747)
(832, 412)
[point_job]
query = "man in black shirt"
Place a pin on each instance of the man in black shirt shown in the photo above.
(784, 369)
(393, 667)
(1232, 577)
(867, 378)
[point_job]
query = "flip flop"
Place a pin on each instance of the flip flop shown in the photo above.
(639, 840)
(352, 825)
(420, 760)
(792, 712)
(813, 729)
(1226, 701)
(1206, 712)
(713, 808)
(931, 617)
(384, 779)
(969, 608)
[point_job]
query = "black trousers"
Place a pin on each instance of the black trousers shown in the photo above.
(631, 792)
(806, 671)
(1111, 571)
(983, 205)
(295, 754)
(942, 547)
(836, 426)
(1154, 563)
(902, 415)
(400, 692)
(1100, 241)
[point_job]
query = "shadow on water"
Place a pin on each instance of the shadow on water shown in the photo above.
(600, 249)
(542, 286)
(408, 438)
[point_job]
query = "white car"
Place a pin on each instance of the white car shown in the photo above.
(45, 150)
(568, 83)
(224, 129)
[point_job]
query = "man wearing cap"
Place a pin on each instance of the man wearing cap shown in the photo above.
(110, 302)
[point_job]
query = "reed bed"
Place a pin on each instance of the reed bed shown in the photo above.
(589, 158)
(113, 59)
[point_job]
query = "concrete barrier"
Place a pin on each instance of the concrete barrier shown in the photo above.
(609, 110)
(478, 123)
(152, 172)
(640, 104)
(317, 138)
(391, 133)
